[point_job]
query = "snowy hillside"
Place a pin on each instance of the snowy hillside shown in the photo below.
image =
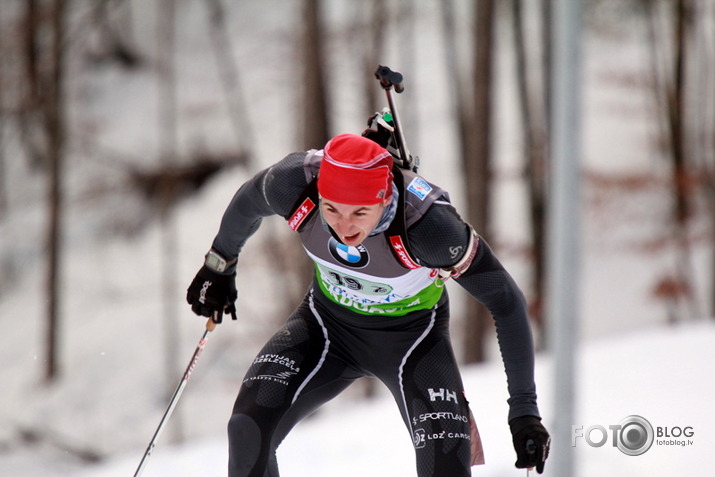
(119, 366)
(663, 375)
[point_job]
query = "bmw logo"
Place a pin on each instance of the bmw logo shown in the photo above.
(355, 257)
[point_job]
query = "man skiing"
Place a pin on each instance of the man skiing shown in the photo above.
(383, 241)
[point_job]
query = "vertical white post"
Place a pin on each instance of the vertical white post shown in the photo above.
(564, 228)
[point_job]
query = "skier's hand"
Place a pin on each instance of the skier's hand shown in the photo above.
(211, 294)
(531, 442)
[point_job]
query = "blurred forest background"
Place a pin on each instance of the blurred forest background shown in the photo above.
(116, 113)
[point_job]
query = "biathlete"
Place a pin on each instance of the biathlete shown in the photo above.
(383, 241)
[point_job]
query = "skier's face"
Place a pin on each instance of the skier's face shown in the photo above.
(352, 223)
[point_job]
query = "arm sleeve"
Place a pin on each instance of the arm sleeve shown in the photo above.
(434, 241)
(488, 281)
(272, 191)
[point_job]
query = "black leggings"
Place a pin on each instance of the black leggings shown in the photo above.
(323, 348)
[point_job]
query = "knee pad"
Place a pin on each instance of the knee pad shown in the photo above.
(244, 445)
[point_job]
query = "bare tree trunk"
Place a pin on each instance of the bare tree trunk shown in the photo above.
(55, 128)
(287, 251)
(683, 183)
(702, 101)
(3, 173)
(477, 166)
(670, 87)
(31, 47)
(316, 125)
(535, 133)
(32, 126)
(546, 36)
(4, 196)
(681, 180)
(707, 38)
(676, 119)
(472, 107)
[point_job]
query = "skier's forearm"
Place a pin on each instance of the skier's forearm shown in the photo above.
(517, 350)
(491, 284)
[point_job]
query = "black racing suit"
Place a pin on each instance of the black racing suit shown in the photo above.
(326, 343)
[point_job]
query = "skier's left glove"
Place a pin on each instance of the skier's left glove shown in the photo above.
(531, 442)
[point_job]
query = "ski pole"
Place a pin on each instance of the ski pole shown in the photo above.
(389, 79)
(210, 326)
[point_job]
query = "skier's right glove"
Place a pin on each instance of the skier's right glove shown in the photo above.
(212, 294)
(531, 442)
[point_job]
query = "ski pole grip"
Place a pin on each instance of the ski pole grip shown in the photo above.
(389, 78)
(210, 324)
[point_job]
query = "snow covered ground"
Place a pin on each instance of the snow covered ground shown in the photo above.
(115, 382)
(663, 375)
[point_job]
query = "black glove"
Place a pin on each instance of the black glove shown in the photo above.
(531, 442)
(212, 293)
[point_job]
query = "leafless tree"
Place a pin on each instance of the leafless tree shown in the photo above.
(285, 249)
(532, 79)
(472, 100)
(670, 29)
(53, 106)
(316, 122)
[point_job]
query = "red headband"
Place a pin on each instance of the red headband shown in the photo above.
(355, 171)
